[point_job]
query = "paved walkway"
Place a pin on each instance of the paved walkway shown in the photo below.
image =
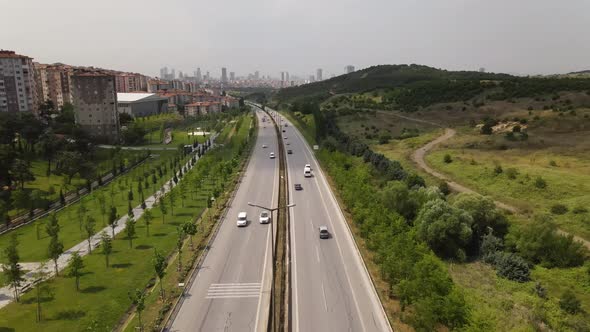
(7, 293)
(418, 158)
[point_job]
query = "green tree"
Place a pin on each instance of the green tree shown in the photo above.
(21, 172)
(41, 288)
(102, 204)
(4, 218)
(130, 231)
(179, 242)
(89, 227)
(190, 229)
(138, 301)
(76, 264)
(160, 268)
(54, 250)
(107, 246)
(148, 217)
(12, 269)
(52, 225)
(113, 220)
(183, 192)
(163, 209)
(446, 229)
(20, 199)
(172, 198)
(569, 303)
(81, 213)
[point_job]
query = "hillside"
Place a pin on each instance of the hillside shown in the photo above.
(413, 87)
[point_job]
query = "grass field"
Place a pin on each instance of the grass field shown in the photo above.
(103, 297)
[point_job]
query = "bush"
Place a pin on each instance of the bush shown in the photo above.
(511, 173)
(443, 186)
(498, 170)
(559, 209)
(447, 158)
(413, 180)
(552, 163)
(579, 210)
(512, 267)
(540, 183)
(570, 303)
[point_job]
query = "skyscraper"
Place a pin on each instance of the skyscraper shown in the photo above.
(287, 76)
(282, 76)
(349, 69)
(172, 74)
(232, 76)
(319, 74)
(223, 75)
(198, 75)
(164, 73)
(256, 75)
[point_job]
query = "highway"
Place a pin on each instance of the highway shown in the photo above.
(331, 288)
(231, 291)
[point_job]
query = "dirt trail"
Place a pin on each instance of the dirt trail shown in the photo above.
(418, 158)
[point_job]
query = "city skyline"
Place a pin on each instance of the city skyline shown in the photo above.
(454, 36)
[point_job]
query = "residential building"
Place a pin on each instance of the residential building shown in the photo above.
(157, 85)
(348, 69)
(17, 83)
(318, 75)
(95, 103)
(53, 83)
(141, 104)
(129, 82)
(201, 108)
(256, 75)
(232, 76)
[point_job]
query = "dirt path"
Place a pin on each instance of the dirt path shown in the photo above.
(418, 158)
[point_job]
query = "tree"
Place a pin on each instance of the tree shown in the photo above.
(179, 247)
(512, 267)
(183, 192)
(71, 163)
(4, 218)
(39, 275)
(447, 159)
(81, 213)
(107, 246)
(130, 210)
(52, 225)
(62, 198)
(148, 217)
(49, 145)
(20, 199)
(138, 300)
(113, 220)
(130, 195)
(446, 229)
(54, 250)
(163, 209)
(89, 227)
(21, 171)
(12, 269)
(76, 264)
(569, 303)
(102, 204)
(130, 231)
(172, 198)
(190, 229)
(160, 268)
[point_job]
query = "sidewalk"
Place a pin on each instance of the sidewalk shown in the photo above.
(7, 293)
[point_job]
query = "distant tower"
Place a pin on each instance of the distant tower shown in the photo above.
(207, 76)
(232, 76)
(319, 74)
(172, 74)
(482, 70)
(223, 75)
(180, 74)
(348, 69)
(311, 78)
(198, 75)
(256, 75)
(287, 76)
(163, 72)
(282, 76)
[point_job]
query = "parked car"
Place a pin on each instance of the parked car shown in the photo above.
(324, 234)
(298, 186)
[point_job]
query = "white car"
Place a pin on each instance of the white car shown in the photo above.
(264, 146)
(264, 217)
(308, 166)
(307, 171)
(242, 219)
(272, 155)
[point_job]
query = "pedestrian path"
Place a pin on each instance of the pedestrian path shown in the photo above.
(7, 293)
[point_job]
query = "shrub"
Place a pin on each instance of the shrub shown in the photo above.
(498, 170)
(552, 163)
(559, 209)
(413, 180)
(512, 267)
(443, 186)
(516, 129)
(570, 303)
(540, 290)
(447, 158)
(511, 173)
(579, 210)
(540, 183)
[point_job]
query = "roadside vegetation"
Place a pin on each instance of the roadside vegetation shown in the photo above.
(96, 290)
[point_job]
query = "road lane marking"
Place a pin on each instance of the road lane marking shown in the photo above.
(233, 290)
(317, 253)
(325, 301)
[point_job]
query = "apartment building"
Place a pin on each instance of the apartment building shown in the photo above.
(201, 108)
(53, 83)
(130, 82)
(17, 83)
(95, 99)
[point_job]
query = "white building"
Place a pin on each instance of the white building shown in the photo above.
(17, 83)
(141, 104)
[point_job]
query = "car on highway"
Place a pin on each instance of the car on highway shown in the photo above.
(308, 166)
(284, 131)
(324, 234)
(272, 155)
(264, 217)
(288, 143)
(307, 171)
(264, 146)
(285, 137)
(286, 125)
(242, 219)
(298, 186)
(289, 151)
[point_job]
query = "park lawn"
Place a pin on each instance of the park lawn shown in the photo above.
(32, 249)
(568, 182)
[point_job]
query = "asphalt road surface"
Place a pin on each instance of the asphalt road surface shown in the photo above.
(231, 291)
(331, 288)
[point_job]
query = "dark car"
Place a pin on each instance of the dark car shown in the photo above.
(298, 186)
(284, 130)
(289, 151)
(324, 234)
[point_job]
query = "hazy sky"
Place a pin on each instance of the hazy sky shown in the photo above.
(515, 36)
